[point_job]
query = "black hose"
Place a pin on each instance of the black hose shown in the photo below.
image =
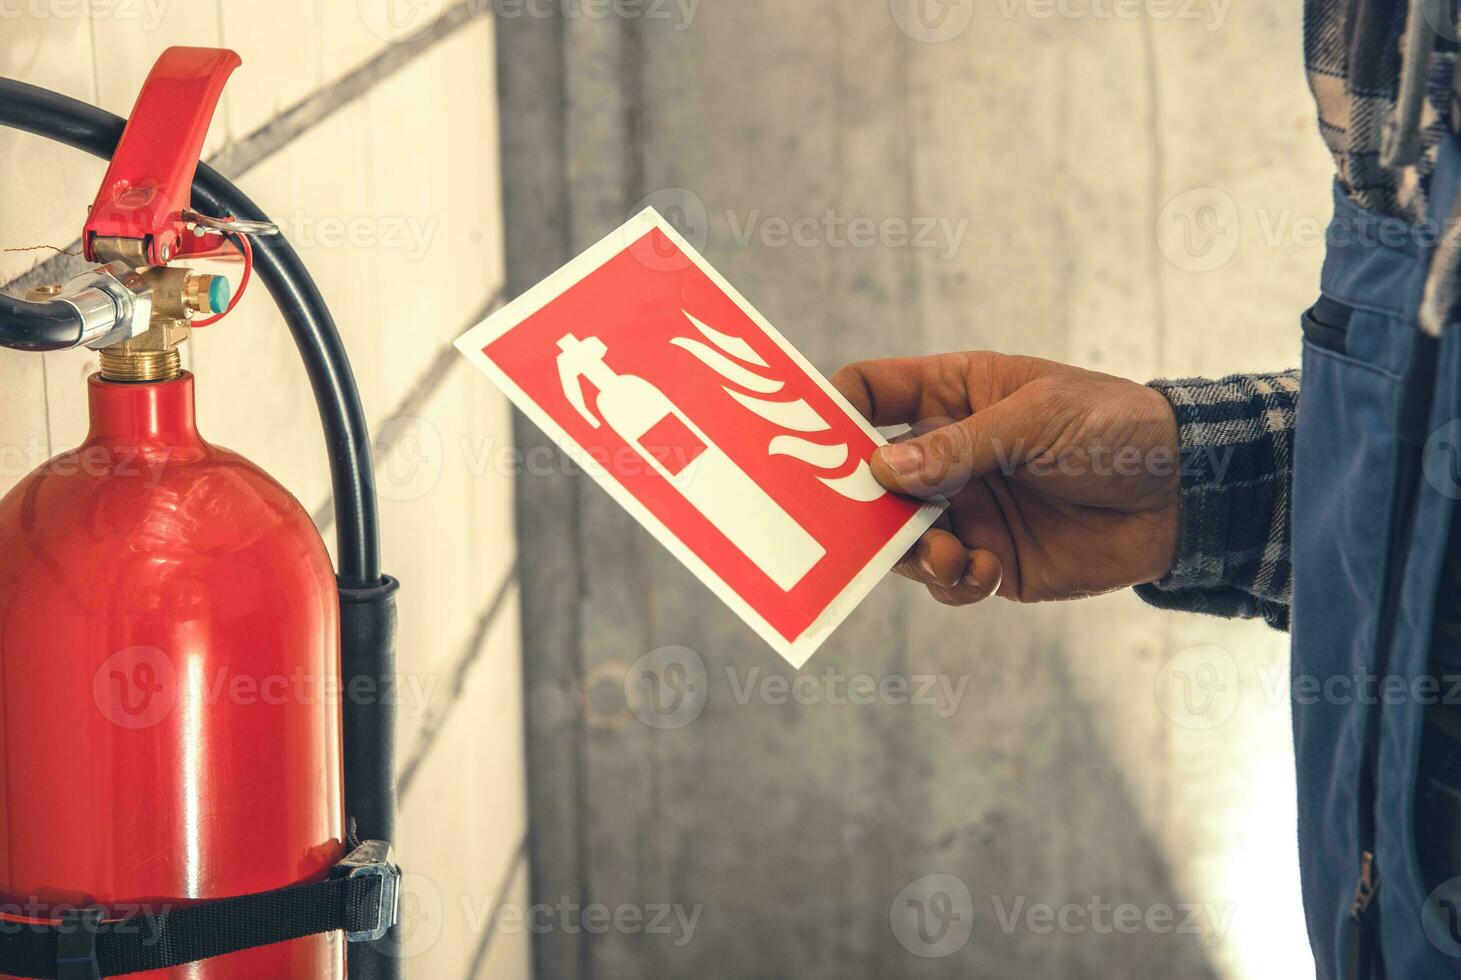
(49, 325)
(367, 640)
(66, 120)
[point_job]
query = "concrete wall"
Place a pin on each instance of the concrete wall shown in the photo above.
(1132, 187)
(374, 143)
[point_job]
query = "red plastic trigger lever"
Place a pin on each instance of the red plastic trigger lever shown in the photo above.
(149, 183)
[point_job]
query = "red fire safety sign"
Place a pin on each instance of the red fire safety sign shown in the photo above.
(653, 374)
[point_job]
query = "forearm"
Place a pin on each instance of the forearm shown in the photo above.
(1236, 440)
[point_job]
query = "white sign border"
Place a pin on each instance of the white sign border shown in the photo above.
(796, 651)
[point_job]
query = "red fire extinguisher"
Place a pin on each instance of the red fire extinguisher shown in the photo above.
(171, 799)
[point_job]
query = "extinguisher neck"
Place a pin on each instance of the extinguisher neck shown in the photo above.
(147, 414)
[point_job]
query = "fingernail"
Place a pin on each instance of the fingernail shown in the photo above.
(904, 457)
(925, 561)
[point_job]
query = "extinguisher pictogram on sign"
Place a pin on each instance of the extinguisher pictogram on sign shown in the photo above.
(684, 455)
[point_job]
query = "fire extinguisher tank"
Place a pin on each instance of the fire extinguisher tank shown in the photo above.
(169, 663)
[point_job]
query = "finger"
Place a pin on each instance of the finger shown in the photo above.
(941, 523)
(979, 581)
(980, 520)
(886, 392)
(939, 559)
(983, 575)
(946, 459)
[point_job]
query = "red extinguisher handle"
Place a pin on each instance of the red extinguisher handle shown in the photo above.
(150, 180)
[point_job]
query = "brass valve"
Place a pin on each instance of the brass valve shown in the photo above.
(151, 355)
(180, 293)
(176, 296)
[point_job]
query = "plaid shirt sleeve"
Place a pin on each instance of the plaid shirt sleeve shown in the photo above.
(1236, 441)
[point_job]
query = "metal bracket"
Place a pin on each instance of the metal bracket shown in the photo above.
(375, 857)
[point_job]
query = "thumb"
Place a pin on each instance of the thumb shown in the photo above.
(940, 462)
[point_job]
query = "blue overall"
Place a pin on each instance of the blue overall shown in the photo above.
(1369, 538)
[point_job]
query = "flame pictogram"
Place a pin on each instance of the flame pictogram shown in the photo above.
(727, 356)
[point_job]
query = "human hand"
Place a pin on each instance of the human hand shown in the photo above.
(1062, 482)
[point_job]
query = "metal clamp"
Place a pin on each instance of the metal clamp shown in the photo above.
(375, 858)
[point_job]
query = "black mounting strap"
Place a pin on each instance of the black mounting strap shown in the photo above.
(361, 897)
